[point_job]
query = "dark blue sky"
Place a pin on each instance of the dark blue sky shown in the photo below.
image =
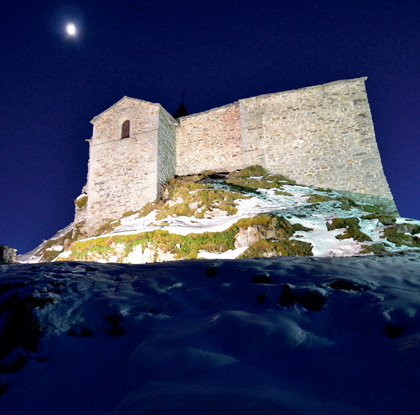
(216, 51)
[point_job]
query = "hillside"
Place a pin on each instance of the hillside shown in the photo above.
(244, 214)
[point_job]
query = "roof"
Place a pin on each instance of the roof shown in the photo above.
(93, 121)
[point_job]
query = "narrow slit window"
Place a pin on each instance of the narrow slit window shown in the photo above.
(125, 130)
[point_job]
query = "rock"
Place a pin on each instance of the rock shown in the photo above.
(246, 237)
(7, 254)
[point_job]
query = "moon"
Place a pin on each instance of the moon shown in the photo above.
(71, 29)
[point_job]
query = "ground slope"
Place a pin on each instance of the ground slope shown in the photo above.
(244, 214)
(269, 336)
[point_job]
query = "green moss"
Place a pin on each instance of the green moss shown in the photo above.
(346, 203)
(129, 213)
(251, 185)
(371, 209)
(47, 254)
(81, 251)
(352, 229)
(108, 227)
(146, 209)
(250, 171)
(282, 193)
(279, 179)
(188, 246)
(403, 234)
(80, 202)
(258, 171)
(376, 249)
(268, 248)
(78, 232)
(197, 200)
(188, 196)
(206, 173)
(384, 219)
(325, 190)
(276, 226)
(259, 220)
(240, 185)
(182, 246)
(316, 198)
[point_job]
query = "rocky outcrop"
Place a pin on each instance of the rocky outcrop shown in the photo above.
(7, 255)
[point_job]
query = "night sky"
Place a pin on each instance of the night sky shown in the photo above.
(52, 85)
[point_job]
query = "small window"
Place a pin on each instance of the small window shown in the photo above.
(125, 130)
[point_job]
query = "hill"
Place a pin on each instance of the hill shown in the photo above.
(243, 214)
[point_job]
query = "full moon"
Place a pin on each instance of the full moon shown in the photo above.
(71, 29)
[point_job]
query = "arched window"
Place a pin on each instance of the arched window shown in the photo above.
(125, 129)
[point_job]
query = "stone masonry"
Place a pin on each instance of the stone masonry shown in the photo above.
(125, 174)
(321, 136)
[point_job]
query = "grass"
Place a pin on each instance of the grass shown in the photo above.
(371, 209)
(190, 198)
(244, 181)
(128, 213)
(47, 254)
(384, 219)
(188, 246)
(251, 171)
(185, 196)
(108, 227)
(194, 197)
(78, 232)
(182, 246)
(377, 248)
(277, 227)
(279, 243)
(269, 248)
(315, 198)
(403, 234)
(346, 203)
(80, 202)
(282, 193)
(352, 229)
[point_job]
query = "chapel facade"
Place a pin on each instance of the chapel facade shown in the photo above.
(320, 136)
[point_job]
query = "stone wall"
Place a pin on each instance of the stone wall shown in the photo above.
(166, 161)
(209, 140)
(321, 136)
(122, 173)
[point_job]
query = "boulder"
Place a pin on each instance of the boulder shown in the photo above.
(7, 254)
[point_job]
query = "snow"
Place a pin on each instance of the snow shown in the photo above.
(209, 337)
(229, 254)
(293, 205)
(294, 208)
(56, 247)
(31, 258)
(267, 201)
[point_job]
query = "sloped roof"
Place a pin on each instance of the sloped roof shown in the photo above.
(93, 121)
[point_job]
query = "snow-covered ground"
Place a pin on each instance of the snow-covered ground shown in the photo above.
(292, 202)
(289, 335)
(293, 205)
